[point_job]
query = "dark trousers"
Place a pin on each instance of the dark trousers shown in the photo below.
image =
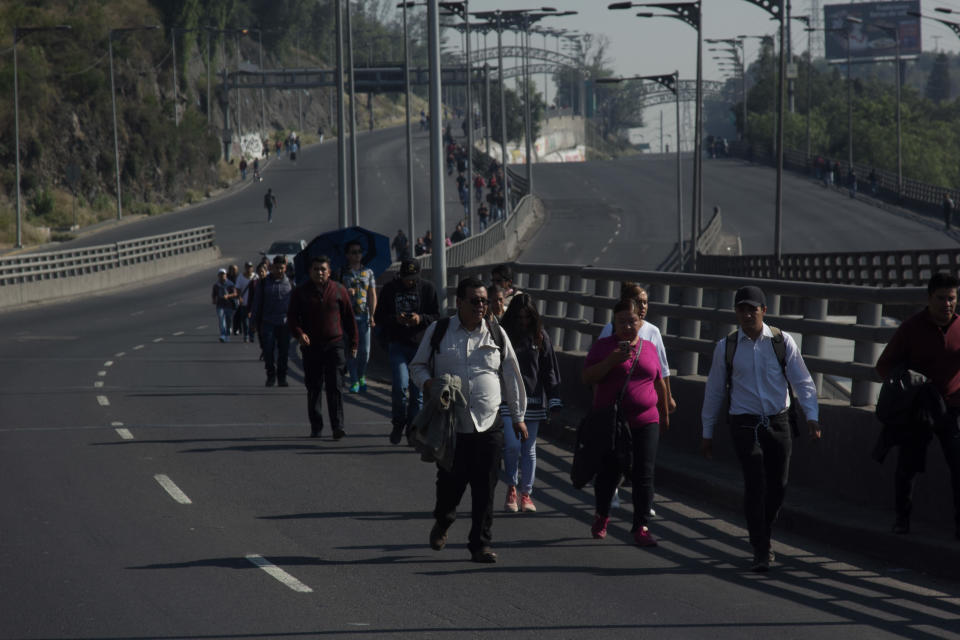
(323, 365)
(645, 442)
(910, 461)
(764, 454)
(276, 338)
(476, 463)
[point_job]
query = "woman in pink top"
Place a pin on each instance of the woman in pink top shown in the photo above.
(644, 407)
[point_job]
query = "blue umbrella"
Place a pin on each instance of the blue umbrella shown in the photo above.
(333, 244)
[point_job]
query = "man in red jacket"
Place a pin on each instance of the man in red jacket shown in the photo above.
(319, 317)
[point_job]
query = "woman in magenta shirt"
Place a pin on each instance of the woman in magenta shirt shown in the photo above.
(644, 407)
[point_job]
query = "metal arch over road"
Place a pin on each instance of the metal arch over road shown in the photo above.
(490, 53)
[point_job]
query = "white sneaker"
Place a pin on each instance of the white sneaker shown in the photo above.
(615, 501)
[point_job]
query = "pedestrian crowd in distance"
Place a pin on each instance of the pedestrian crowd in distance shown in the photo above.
(470, 391)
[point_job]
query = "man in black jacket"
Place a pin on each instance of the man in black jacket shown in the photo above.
(406, 307)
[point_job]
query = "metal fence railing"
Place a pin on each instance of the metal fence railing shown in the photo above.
(50, 265)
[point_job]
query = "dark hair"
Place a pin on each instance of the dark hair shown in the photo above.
(279, 259)
(627, 304)
(942, 280)
(468, 283)
(628, 289)
(494, 289)
(320, 258)
(346, 247)
(511, 320)
(502, 270)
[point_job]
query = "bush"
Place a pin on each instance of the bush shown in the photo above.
(42, 203)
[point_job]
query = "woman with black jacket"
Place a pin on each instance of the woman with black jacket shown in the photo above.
(541, 378)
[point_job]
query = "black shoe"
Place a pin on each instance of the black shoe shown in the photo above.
(282, 382)
(270, 381)
(483, 556)
(438, 537)
(338, 433)
(396, 434)
(761, 561)
(315, 432)
(901, 526)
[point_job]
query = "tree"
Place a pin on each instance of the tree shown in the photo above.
(514, 107)
(938, 83)
(619, 106)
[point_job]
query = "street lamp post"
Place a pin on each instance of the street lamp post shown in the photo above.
(354, 187)
(18, 33)
(409, 135)
(342, 200)
(671, 83)
(439, 253)
(113, 97)
(690, 13)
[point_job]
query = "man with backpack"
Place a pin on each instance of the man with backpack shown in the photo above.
(406, 307)
(475, 351)
(753, 376)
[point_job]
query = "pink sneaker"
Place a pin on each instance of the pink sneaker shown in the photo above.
(599, 528)
(526, 504)
(642, 538)
(511, 504)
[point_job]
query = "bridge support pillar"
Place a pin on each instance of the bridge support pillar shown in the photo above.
(572, 339)
(724, 303)
(864, 392)
(606, 289)
(554, 308)
(814, 309)
(688, 362)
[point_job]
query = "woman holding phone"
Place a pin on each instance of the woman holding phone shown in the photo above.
(627, 366)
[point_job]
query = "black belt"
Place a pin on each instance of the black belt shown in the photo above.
(752, 419)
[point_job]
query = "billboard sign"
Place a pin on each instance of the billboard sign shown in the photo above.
(872, 38)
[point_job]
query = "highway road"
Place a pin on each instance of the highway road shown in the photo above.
(154, 488)
(625, 213)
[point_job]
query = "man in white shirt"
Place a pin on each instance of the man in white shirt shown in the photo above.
(758, 414)
(470, 351)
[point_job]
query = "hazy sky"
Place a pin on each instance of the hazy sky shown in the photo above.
(645, 46)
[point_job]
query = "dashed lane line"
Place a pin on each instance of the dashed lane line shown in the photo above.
(277, 573)
(178, 333)
(120, 354)
(98, 384)
(124, 433)
(101, 373)
(158, 340)
(138, 347)
(171, 488)
(102, 401)
(108, 363)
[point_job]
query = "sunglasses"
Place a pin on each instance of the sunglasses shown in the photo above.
(478, 301)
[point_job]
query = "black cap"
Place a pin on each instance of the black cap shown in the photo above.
(750, 295)
(409, 268)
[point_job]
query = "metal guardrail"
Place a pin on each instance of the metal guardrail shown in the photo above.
(33, 267)
(693, 311)
(867, 268)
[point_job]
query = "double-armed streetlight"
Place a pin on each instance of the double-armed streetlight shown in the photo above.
(113, 95)
(18, 34)
(732, 46)
(672, 83)
(406, 89)
(689, 13)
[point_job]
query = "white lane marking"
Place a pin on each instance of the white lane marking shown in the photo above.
(178, 333)
(172, 489)
(124, 433)
(202, 326)
(138, 347)
(137, 313)
(116, 424)
(102, 400)
(98, 384)
(277, 573)
(108, 363)
(119, 354)
(158, 339)
(101, 373)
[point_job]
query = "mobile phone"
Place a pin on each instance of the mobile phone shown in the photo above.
(624, 345)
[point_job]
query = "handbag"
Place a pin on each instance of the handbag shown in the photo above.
(603, 431)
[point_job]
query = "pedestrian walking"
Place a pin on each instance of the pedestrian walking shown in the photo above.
(269, 202)
(928, 343)
(753, 372)
(362, 287)
(406, 307)
(269, 314)
(321, 318)
(541, 381)
(241, 319)
(400, 246)
(626, 368)
(224, 295)
(475, 355)
(243, 168)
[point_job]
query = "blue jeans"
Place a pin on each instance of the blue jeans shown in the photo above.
(407, 398)
(358, 366)
(520, 458)
(225, 322)
(275, 337)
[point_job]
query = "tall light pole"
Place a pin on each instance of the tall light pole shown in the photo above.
(851, 20)
(113, 98)
(689, 13)
(354, 187)
(672, 83)
(439, 254)
(263, 118)
(342, 200)
(409, 136)
(18, 33)
(462, 9)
